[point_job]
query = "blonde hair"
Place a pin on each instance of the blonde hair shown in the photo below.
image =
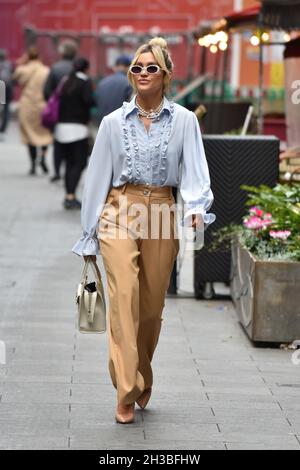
(159, 48)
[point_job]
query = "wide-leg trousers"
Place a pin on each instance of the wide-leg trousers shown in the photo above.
(138, 252)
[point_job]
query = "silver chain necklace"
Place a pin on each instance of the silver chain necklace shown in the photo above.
(153, 113)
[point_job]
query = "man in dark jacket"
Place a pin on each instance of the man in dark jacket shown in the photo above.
(67, 50)
(112, 90)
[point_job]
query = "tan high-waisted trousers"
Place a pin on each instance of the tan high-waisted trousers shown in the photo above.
(138, 271)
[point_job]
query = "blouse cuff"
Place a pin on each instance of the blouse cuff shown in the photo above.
(87, 245)
(197, 209)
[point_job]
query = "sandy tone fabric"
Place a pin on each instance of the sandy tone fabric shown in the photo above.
(138, 271)
(31, 77)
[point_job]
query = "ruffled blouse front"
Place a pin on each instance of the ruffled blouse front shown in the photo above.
(169, 153)
(146, 150)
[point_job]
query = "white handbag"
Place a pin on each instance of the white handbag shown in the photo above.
(91, 302)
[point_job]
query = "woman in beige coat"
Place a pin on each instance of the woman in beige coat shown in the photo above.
(31, 75)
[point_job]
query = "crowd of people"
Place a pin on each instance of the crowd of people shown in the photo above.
(70, 138)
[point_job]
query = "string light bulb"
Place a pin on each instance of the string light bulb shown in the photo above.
(206, 41)
(222, 46)
(222, 36)
(254, 40)
(265, 37)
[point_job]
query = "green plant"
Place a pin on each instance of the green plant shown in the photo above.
(238, 131)
(271, 229)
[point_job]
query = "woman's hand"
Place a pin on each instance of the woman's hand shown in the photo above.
(197, 221)
(91, 258)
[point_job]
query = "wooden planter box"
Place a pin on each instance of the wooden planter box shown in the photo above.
(266, 295)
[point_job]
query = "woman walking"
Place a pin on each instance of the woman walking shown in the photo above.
(71, 131)
(137, 157)
(31, 75)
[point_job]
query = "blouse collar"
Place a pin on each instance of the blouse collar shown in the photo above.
(131, 106)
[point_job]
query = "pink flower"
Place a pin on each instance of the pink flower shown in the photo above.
(258, 220)
(255, 210)
(281, 234)
(253, 222)
(256, 223)
(266, 222)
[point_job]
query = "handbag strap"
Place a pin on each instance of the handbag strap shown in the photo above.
(98, 283)
(58, 89)
(95, 269)
(97, 275)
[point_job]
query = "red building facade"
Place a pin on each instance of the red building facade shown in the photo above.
(87, 20)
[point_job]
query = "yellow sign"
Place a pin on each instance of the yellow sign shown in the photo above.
(277, 74)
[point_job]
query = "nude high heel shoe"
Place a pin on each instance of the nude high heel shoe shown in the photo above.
(144, 398)
(125, 413)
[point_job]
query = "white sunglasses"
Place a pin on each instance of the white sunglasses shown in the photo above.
(151, 69)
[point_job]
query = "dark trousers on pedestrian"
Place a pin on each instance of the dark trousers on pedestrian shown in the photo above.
(57, 158)
(33, 152)
(75, 155)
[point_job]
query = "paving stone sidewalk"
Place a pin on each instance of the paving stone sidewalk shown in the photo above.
(213, 389)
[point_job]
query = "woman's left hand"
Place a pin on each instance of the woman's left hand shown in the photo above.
(197, 221)
(92, 258)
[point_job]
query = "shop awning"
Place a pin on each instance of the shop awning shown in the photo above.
(243, 17)
(274, 14)
(281, 14)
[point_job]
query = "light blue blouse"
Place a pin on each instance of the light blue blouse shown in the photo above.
(170, 153)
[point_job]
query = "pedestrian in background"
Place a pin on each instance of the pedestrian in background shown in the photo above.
(71, 132)
(6, 77)
(141, 151)
(67, 50)
(31, 75)
(112, 90)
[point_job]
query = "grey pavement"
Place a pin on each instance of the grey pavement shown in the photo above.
(212, 388)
